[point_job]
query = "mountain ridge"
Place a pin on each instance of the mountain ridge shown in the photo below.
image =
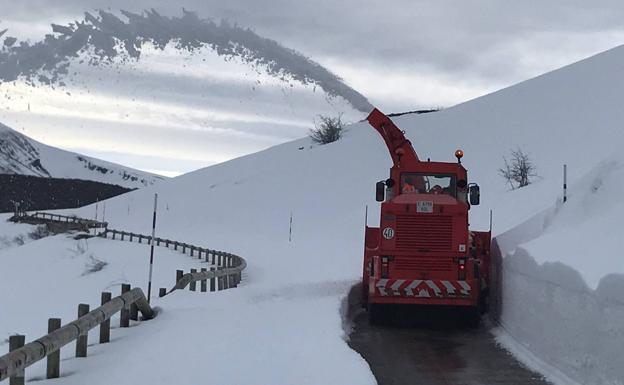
(22, 155)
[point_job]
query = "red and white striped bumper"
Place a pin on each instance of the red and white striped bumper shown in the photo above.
(418, 288)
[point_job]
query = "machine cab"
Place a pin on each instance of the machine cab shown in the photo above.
(428, 180)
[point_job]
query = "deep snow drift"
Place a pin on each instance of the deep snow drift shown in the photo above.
(282, 325)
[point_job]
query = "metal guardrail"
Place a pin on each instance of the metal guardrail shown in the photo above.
(227, 268)
(13, 363)
(57, 218)
(225, 273)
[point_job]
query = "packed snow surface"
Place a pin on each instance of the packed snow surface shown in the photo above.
(560, 265)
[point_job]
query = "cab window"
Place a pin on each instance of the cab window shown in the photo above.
(422, 183)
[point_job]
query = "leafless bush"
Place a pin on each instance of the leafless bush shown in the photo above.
(40, 232)
(19, 240)
(93, 265)
(327, 130)
(519, 170)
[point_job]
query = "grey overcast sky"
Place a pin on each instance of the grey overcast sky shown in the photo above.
(401, 54)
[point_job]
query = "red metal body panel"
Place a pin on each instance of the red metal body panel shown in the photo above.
(423, 252)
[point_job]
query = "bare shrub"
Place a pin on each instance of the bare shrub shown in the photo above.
(40, 232)
(327, 130)
(19, 240)
(518, 170)
(93, 265)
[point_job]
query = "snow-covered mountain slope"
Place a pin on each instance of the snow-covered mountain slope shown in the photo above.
(20, 154)
(558, 303)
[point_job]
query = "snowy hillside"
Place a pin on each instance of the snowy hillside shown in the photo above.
(21, 155)
(562, 271)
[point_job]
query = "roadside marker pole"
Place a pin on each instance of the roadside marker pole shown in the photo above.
(290, 229)
(97, 201)
(151, 268)
(565, 183)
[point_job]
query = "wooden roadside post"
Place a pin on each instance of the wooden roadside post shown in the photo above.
(53, 369)
(220, 279)
(212, 281)
(204, 283)
(82, 341)
(134, 312)
(193, 284)
(16, 342)
(179, 274)
(105, 326)
(124, 319)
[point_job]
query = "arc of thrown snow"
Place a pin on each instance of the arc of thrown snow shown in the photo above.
(48, 59)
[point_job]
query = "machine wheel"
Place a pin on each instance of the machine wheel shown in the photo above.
(473, 316)
(375, 314)
(364, 299)
(484, 302)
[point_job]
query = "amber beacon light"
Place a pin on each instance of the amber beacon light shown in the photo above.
(459, 154)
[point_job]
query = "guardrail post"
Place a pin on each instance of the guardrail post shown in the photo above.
(167, 243)
(162, 292)
(206, 255)
(134, 312)
(212, 281)
(219, 258)
(203, 281)
(16, 342)
(122, 235)
(179, 274)
(124, 321)
(175, 245)
(219, 280)
(192, 249)
(81, 342)
(53, 369)
(114, 232)
(131, 235)
(193, 285)
(105, 326)
(140, 238)
(157, 241)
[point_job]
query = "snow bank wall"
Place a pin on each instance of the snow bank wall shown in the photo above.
(550, 310)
